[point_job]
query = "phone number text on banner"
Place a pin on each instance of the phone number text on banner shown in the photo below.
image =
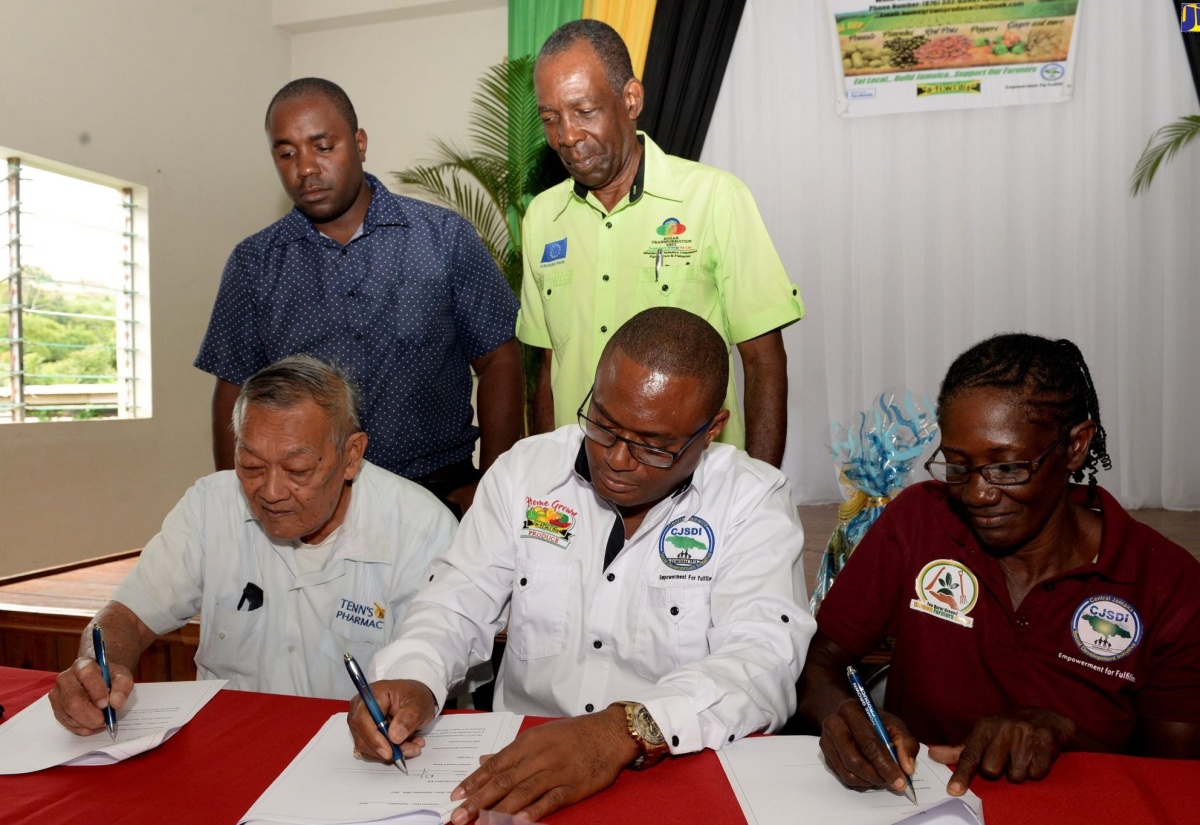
(903, 56)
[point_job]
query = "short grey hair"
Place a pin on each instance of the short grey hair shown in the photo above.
(605, 41)
(297, 378)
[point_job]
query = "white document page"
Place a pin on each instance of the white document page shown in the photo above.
(34, 740)
(785, 779)
(326, 784)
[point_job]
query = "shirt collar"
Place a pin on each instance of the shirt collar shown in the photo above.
(653, 177)
(584, 471)
(639, 178)
(381, 211)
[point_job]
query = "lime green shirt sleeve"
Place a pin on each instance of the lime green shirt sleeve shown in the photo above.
(531, 319)
(757, 295)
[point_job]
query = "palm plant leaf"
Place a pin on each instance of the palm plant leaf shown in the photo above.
(1163, 146)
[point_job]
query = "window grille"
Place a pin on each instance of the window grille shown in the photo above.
(75, 293)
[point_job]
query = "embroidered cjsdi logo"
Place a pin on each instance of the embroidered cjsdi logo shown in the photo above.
(1106, 628)
(686, 544)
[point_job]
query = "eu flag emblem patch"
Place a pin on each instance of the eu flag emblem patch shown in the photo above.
(554, 251)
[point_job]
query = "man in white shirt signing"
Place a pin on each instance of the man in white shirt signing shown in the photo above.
(652, 584)
(305, 552)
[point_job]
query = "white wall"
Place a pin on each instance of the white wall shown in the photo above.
(913, 236)
(410, 79)
(171, 96)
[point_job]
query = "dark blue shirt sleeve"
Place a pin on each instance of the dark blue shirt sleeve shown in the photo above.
(485, 309)
(232, 349)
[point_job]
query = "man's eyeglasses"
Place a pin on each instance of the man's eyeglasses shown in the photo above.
(1004, 473)
(642, 453)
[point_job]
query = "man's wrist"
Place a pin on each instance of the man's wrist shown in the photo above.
(644, 733)
(628, 749)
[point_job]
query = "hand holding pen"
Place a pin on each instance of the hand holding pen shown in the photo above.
(110, 715)
(409, 705)
(368, 698)
(881, 732)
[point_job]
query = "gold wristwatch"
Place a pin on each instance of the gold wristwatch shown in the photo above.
(646, 733)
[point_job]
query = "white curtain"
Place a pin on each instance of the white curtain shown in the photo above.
(914, 236)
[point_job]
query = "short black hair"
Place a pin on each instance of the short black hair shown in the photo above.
(677, 343)
(605, 42)
(319, 86)
(1049, 376)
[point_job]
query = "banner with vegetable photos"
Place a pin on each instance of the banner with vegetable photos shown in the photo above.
(903, 56)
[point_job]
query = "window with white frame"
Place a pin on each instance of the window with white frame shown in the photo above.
(75, 295)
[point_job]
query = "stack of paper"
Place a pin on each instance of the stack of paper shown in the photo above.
(326, 784)
(34, 740)
(785, 779)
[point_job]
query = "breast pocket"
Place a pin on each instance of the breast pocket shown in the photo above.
(672, 628)
(537, 624)
(684, 285)
(232, 641)
(558, 292)
(336, 646)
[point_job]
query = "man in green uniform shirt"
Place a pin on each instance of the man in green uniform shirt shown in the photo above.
(634, 228)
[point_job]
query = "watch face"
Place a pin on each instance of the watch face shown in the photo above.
(647, 728)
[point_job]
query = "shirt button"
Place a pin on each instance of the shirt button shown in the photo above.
(604, 329)
(1022, 622)
(674, 611)
(291, 648)
(608, 224)
(221, 635)
(610, 577)
(665, 287)
(352, 293)
(589, 707)
(731, 737)
(605, 277)
(785, 619)
(674, 741)
(597, 644)
(524, 582)
(343, 250)
(358, 336)
(549, 291)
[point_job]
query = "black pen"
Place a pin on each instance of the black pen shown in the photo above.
(110, 715)
(364, 690)
(864, 698)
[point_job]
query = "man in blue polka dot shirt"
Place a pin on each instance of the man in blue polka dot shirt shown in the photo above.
(400, 293)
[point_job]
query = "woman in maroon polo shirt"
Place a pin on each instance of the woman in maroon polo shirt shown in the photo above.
(1031, 614)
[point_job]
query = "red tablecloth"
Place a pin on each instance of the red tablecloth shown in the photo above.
(213, 769)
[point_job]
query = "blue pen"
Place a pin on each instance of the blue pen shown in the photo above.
(364, 690)
(880, 730)
(110, 715)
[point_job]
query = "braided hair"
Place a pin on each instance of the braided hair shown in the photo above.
(1050, 376)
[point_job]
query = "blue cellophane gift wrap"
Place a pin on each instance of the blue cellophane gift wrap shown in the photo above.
(876, 451)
